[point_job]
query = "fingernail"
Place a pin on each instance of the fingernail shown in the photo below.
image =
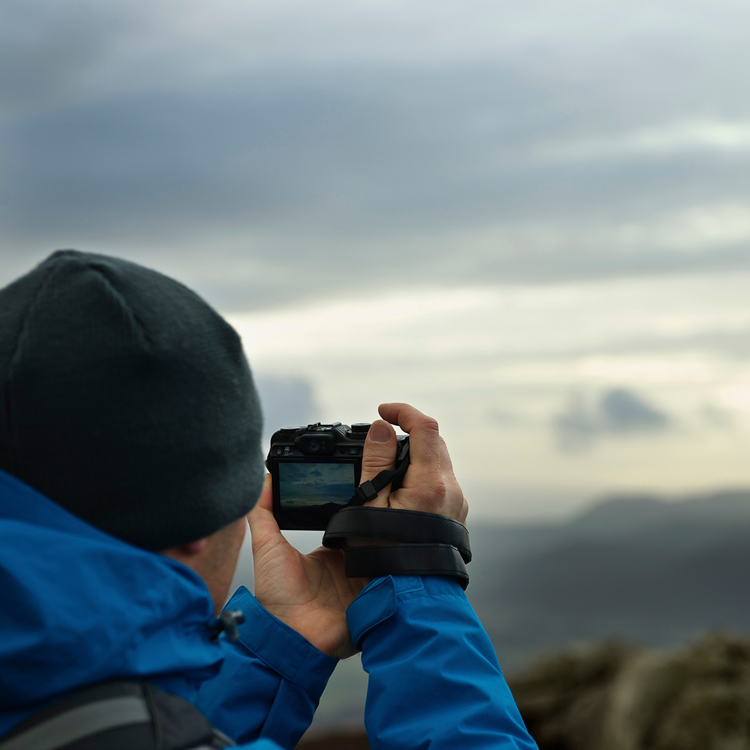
(379, 432)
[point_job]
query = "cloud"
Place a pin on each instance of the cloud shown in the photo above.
(657, 141)
(50, 52)
(623, 411)
(505, 418)
(617, 412)
(717, 418)
(276, 150)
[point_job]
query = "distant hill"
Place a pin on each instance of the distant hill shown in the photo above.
(621, 512)
(641, 568)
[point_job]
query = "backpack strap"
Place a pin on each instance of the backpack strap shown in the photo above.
(119, 715)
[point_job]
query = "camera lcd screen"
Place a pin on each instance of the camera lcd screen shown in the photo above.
(304, 486)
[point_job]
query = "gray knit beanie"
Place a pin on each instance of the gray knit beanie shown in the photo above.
(127, 400)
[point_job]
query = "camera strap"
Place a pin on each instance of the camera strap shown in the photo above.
(415, 543)
(397, 525)
(369, 490)
(406, 560)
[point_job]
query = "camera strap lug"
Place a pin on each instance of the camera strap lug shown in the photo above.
(367, 491)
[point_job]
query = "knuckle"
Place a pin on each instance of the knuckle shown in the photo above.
(433, 496)
(439, 491)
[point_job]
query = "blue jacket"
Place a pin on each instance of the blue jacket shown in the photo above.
(79, 607)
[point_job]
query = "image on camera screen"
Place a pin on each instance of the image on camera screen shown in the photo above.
(315, 485)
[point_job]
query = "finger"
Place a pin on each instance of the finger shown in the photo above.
(263, 526)
(379, 454)
(458, 508)
(265, 499)
(429, 484)
(424, 437)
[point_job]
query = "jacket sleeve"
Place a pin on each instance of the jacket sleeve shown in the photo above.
(434, 677)
(270, 682)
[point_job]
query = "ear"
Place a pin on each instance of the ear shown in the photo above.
(184, 553)
(194, 548)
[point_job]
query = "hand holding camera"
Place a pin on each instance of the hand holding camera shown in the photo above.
(311, 593)
(429, 485)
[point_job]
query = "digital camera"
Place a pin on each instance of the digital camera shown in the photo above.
(315, 471)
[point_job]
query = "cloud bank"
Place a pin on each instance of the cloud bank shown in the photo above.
(618, 412)
(268, 150)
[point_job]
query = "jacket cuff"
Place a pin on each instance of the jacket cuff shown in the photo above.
(280, 647)
(379, 600)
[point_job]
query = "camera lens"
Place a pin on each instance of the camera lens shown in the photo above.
(314, 445)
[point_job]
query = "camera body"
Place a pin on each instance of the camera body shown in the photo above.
(315, 471)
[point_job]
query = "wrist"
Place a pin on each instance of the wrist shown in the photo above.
(321, 631)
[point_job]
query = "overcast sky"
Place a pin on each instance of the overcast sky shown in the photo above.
(529, 218)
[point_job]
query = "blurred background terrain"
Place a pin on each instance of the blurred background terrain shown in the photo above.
(569, 605)
(530, 219)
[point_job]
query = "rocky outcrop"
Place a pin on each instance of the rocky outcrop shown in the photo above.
(615, 696)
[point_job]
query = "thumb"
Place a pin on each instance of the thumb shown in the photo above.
(263, 526)
(379, 454)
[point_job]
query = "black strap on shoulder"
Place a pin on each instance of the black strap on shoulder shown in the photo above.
(395, 524)
(406, 560)
(120, 715)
